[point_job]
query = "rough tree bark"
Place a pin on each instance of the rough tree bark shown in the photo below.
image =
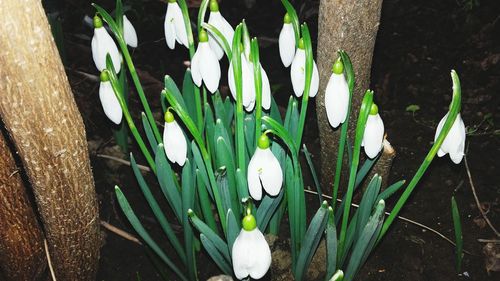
(39, 112)
(351, 26)
(22, 256)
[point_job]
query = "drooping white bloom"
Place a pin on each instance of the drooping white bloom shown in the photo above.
(298, 73)
(175, 29)
(337, 96)
(286, 41)
(374, 133)
(174, 141)
(205, 65)
(248, 85)
(129, 33)
(102, 44)
(454, 143)
(109, 101)
(251, 254)
(218, 21)
(264, 171)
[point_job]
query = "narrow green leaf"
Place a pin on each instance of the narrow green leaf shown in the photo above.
(188, 94)
(313, 172)
(204, 229)
(367, 203)
(201, 166)
(233, 229)
(241, 184)
(459, 239)
(172, 89)
(167, 181)
(205, 203)
(267, 209)
(216, 255)
(149, 133)
(220, 39)
(331, 245)
(225, 161)
(188, 197)
(390, 190)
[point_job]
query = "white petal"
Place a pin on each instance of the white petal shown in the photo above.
(336, 99)
(209, 68)
(174, 143)
(454, 143)
(230, 80)
(271, 175)
(219, 22)
(253, 178)
(314, 81)
(251, 254)
(180, 28)
(129, 32)
(373, 135)
(110, 103)
(170, 27)
(248, 82)
(287, 44)
(102, 44)
(266, 90)
(297, 72)
(196, 63)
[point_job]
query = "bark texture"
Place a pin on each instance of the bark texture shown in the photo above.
(22, 257)
(351, 26)
(38, 109)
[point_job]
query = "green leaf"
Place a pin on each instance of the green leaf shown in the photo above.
(250, 139)
(204, 229)
(167, 181)
(331, 245)
(149, 132)
(241, 185)
(367, 203)
(136, 224)
(201, 166)
(390, 190)
(188, 197)
(267, 209)
(311, 241)
(216, 255)
(459, 239)
(225, 161)
(172, 89)
(220, 39)
(210, 128)
(313, 172)
(205, 203)
(412, 108)
(201, 14)
(233, 229)
(188, 94)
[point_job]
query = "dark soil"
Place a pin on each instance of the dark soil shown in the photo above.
(418, 43)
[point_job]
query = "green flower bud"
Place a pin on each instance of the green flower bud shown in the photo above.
(104, 76)
(97, 22)
(214, 6)
(338, 66)
(287, 18)
(263, 142)
(374, 109)
(169, 117)
(203, 36)
(249, 223)
(301, 44)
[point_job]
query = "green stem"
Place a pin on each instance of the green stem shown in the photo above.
(258, 87)
(240, 133)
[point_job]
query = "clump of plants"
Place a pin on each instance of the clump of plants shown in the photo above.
(237, 157)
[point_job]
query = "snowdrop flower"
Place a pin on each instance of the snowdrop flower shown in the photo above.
(175, 29)
(287, 41)
(102, 44)
(298, 73)
(454, 143)
(264, 171)
(337, 96)
(248, 84)
(251, 254)
(174, 141)
(109, 101)
(219, 22)
(129, 33)
(205, 65)
(374, 133)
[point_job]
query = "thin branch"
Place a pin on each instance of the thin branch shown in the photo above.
(120, 232)
(488, 241)
(485, 217)
(403, 219)
(49, 261)
(125, 162)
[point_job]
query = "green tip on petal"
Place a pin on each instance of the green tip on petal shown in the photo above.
(301, 44)
(263, 142)
(214, 6)
(338, 67)
(249, 223)
(287, 18)
(104, 76)
(374, 109)
(203, 36)
(169, 117)
(97, 22)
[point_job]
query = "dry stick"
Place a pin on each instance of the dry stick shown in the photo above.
(477, 199)
(120, 232)
(49, 261)
(403, 219)
(125, 162)
(488, 241)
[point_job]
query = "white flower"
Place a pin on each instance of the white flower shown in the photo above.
(219, 22)
(454, 143)
(374, 133)
(287, 41)
(174, 25)
(205, 65)
(337, 96)
(174, 141)
(264, 171)
(109, 101)
(251, 254)
(248, 85)
(103, 44)
(298, 73)
(129, 33)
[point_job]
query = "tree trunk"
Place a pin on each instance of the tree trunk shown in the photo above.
(38, 109)
(351, 26)
(22, 257)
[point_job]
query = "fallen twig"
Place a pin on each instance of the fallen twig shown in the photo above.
(120, 232)
(49, 261)
(125, 162)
